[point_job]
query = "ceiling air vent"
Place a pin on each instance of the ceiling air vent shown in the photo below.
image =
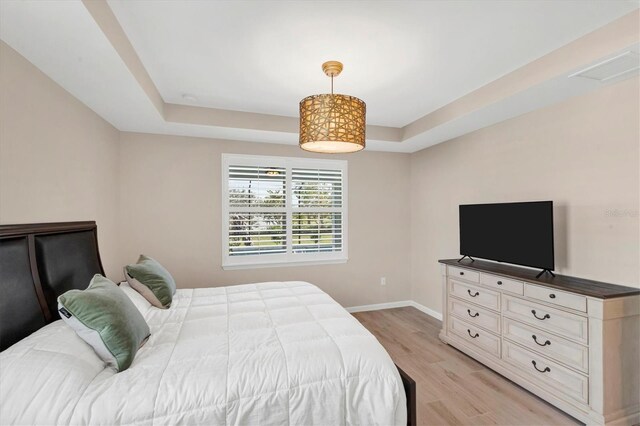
(611, 68)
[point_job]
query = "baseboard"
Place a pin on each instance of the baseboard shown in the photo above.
(399, 304)
(378, 306)
(435, 314)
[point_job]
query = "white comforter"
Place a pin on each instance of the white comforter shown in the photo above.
(269, 353)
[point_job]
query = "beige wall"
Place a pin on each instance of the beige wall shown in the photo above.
(170, 209)
(582, 154)
(58, 159)
(160, 195)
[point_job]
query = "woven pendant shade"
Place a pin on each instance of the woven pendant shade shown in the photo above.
(332, 124)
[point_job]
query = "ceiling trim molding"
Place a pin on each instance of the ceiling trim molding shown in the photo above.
(591, 47)
(108, 23)
(186, 114)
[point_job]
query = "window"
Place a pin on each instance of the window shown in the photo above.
(280, 211)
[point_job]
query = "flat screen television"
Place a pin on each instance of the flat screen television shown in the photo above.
(518, 233)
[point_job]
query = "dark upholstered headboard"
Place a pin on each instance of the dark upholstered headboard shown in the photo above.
(38, 262)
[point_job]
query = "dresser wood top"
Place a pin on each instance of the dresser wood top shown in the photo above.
(582, 286)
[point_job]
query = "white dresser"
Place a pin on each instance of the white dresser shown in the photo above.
(573, 342)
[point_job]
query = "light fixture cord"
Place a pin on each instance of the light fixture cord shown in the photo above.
(332, 84)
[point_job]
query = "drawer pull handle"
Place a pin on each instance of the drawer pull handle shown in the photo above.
(499, 282)
(472, 336)
(474, 315)
(546, 316)
(552, 296)
(546, 370)
(461, 273)
(472, 295)
(535, 339)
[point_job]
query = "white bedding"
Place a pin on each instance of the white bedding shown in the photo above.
(268, 353)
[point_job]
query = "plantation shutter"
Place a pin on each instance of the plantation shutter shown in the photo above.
(283, 210)
(257, 217)
(317, 210)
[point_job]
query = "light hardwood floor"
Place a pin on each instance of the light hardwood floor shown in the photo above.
(452, 388)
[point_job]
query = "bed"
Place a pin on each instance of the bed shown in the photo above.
(264, 353)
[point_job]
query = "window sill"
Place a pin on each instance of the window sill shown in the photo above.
(283, 264)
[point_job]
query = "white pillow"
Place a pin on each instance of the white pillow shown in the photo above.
(138, 300)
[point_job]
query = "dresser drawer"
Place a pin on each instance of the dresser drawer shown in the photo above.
(547, 373)
(552, 320)
(475, 336)
(556, 348)
(501, 283)
(469, 292)
(560, 298)
(475, 315)
(464, 274)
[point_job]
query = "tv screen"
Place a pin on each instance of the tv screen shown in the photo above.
(519, 233)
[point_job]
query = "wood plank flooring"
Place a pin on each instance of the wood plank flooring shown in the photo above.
(454, 389)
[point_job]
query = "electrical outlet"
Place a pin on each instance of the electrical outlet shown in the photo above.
(383, 280)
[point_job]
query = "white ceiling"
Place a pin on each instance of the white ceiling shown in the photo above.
(81, 46)
(404, 59)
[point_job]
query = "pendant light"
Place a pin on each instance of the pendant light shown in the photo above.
(330, 123)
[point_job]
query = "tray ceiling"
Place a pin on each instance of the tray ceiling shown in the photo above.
(429, 71)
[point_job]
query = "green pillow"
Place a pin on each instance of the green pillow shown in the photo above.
(151, 280)
(105, 318)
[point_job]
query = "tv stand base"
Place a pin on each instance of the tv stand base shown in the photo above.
(459, 260)
(544, 271)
